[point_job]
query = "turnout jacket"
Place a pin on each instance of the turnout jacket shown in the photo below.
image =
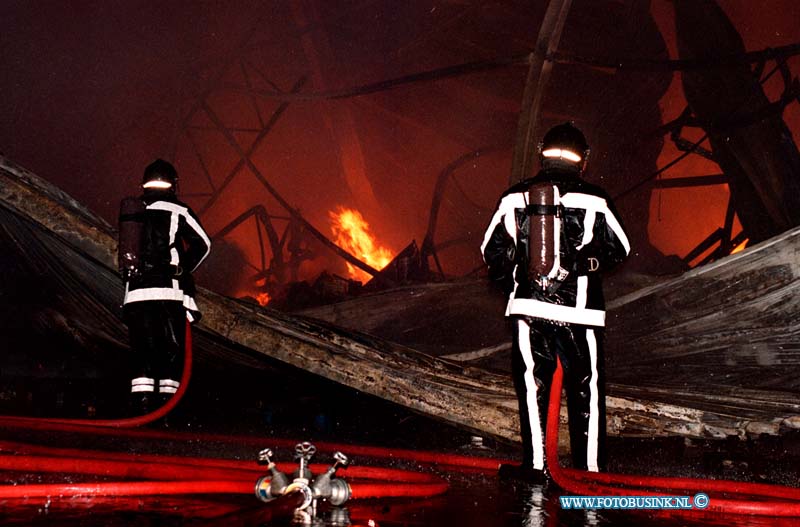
(592, 240)
(173, 244)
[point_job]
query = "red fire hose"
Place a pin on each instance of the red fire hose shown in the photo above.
(192, 475)
(128, 488)
(592, 483)
(177, 463)
(197, 475)
(38, 458)
(105, 426)
(131, 421)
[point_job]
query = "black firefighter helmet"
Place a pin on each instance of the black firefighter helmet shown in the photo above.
(160, 175)
(565, 147)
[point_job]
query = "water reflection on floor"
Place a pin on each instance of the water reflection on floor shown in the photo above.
(473, 499)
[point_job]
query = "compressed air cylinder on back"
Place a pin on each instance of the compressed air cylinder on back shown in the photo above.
(131, 224)
(545, 232)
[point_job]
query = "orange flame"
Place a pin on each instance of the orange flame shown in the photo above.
(351, 233)
(739, 248)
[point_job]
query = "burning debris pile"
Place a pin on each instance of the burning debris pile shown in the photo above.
(352, 233)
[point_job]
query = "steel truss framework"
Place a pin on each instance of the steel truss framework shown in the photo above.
(281, 235)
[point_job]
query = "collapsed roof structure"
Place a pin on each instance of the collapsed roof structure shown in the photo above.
(278, 127)
(53, 245)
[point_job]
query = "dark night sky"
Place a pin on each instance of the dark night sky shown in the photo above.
(93, 91)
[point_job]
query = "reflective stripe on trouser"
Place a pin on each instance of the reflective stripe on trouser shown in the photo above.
(168, 386)
(157, 332)
(535, 432)
(586, 409)
(143, 384)
(592, 431)
(537, 344)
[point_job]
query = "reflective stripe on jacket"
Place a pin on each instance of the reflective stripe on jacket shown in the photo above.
(591, 234)
(174, 244)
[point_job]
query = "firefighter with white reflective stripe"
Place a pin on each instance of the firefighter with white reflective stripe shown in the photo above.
(549, 241)
(161, 244)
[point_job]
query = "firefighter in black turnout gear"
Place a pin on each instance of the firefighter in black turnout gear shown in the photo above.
(161, 244)
(548, 242)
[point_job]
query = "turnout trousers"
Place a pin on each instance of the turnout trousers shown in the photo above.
(157, 332)
(537, 343)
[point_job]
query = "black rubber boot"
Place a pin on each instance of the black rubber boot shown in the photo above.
(524, 473)
(141, 403)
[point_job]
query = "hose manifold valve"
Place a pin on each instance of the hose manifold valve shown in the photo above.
(325, 486)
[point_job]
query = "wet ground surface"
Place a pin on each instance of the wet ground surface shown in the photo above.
(297, 408)
(473, 498)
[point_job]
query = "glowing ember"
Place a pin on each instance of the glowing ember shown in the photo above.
(351, 233)
(263, 298)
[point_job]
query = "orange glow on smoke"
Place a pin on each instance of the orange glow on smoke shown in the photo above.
(351, 233)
